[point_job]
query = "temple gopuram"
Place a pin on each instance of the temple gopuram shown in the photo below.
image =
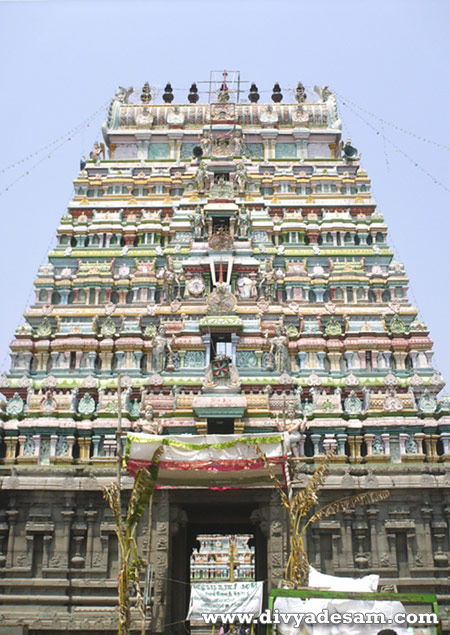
(224, 259)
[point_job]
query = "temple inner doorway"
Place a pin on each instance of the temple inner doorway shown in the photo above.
(200, 548)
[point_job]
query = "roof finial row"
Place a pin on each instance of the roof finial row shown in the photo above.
(193, 96)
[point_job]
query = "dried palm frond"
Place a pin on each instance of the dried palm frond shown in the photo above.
(317, 479)
(298, 507)
(278, 484)
(349, 502)
(111, 494)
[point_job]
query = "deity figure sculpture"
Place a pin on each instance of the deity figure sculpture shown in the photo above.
(170, 281)
(201, 177)
(279, 356)
(198, 223)
(295, 426)
(161, 344)
(244, 223)
(238, 143)
(175, 393)
(122, 94)
(148, 424)
(96, 153)
(241, 176)
(144, 117)
(279, 280)
(205, 144)
(220, 301)
(267, 279)
(245, 287)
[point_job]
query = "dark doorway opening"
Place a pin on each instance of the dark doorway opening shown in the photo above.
(225, 513)
(220, 426)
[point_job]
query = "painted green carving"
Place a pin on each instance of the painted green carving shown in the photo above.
(194, 359)
(334, 327)
(254, 150)
(150, 330)
(86, 405)
(427, 403)
(15, 406)
(246, 359)
(397, 326)
(187, 150)
(159, 151)
(292, 331)
(108, 327)
(378, 445)
(45, 328)
(61, 446)
(353, 405)
(285, 151)
(410, 445)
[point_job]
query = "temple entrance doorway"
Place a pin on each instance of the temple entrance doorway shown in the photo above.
(223, 523)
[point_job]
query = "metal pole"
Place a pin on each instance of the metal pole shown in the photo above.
(119, 473)
(119, 434)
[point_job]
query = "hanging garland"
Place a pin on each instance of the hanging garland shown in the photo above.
(392, 125)
(396, 147)
(65, 139)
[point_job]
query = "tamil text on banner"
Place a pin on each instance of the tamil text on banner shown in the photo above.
(225, 597)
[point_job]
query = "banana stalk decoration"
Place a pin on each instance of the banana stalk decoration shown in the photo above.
(299, 505)
(131, 563)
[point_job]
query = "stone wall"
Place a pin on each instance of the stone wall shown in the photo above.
(58, 551)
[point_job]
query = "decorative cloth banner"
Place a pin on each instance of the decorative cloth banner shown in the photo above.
(225, 597)
(214, 461)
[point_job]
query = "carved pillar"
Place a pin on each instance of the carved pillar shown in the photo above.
(402, 438)
(12, 515)
(360, 528)
(354, 442)
(11, 444)
(315, 438)
(426, 512)
(67, 515)
(234, 343)
(347, 537)
(207, 341)
(430, 444)
(335, 361)
(385, 437)
(392, 552)
(445, 439)
(47, 539)
(84, 444)
(90, 515)
(301, 445)
(372, 514)
(341, 439)
(368, 438)
(159, 550)
(275, 547)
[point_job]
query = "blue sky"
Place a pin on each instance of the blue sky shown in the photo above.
(61, 61)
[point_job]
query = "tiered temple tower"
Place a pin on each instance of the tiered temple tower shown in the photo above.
(228, 260)
(221, 558)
